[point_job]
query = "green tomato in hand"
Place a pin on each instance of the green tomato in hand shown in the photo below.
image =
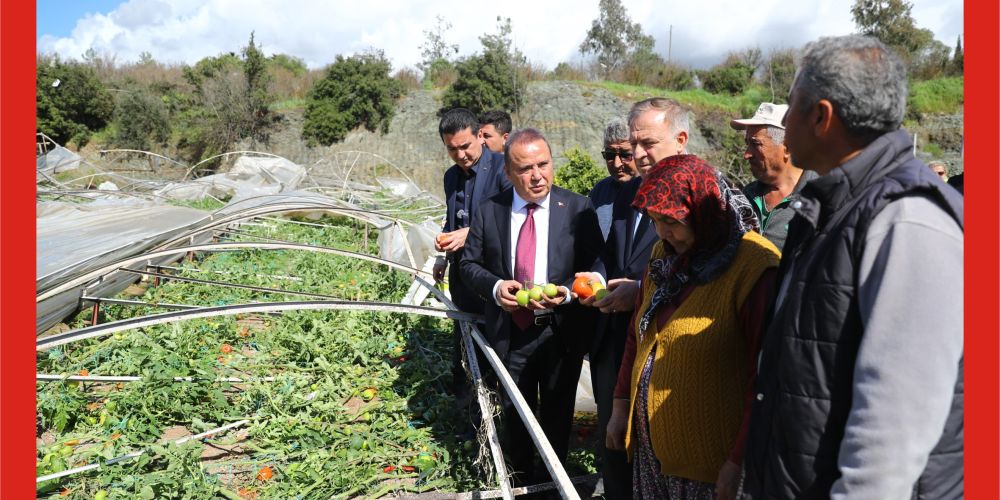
(522, 297)
(535, 293)
(550, 290)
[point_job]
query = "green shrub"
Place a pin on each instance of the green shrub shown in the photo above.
(484, 82)
(730, 78)
(645, 67)
(75, 107)
(566, 71)
(490, 80)
(356, 91)
(141, 120)
(579, 173)
(778, 74)
(933, 149)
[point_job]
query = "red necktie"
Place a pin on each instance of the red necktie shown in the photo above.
(524, 264)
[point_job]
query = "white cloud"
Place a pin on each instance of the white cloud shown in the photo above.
(184, 31)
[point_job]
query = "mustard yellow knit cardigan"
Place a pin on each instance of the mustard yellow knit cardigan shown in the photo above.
(699, 377)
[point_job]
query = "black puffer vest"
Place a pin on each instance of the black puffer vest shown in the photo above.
(803, 392)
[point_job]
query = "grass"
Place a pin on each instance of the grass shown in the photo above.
(696, 99)
(938, 96)
(288, 104)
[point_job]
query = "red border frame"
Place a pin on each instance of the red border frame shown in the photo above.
(982, 272)
(17, 251)
(17, 229)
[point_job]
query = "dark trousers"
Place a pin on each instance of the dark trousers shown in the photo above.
(546, 372)
(605, 360)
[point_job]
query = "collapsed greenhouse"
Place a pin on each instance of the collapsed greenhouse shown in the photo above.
(265, 330)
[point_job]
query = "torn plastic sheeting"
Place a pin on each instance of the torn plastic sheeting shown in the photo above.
(399, 187)
(250, 177)
(59, 159)
(279, 171)
(585, 391)
(393, 246)
(72, 237)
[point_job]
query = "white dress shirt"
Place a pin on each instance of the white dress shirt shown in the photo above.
(519, 214)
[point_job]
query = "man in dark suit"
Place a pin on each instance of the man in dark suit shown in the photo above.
(543, 234)
(663, 128)
(476, 175)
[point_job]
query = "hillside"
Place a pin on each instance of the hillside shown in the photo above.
(571, 114)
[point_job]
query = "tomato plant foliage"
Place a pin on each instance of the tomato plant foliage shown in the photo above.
(310, 425)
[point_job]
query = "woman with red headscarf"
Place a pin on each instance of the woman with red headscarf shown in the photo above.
(683, 396)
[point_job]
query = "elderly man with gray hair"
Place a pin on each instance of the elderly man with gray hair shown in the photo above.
(778, 180)
(859, 391)
(617, 154)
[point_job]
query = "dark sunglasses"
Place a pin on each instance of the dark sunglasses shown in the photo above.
(610, 155)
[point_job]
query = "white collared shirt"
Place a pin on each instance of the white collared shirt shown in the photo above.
(519, 214)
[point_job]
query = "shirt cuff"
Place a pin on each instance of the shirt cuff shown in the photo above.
(495, 287)
(569, 296)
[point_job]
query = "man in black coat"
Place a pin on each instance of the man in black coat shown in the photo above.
(476, 175)
(860, 389)
(543, 234)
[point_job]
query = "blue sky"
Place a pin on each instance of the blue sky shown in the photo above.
(550, 32)
(58, 17)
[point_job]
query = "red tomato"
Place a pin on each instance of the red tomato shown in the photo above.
(84, 372)
(226, 348)
(264, 474)
(389, 468)
(581, 287)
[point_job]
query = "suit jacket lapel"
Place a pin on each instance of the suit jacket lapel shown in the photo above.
(479, 188)
(557, 224)
(645, 236)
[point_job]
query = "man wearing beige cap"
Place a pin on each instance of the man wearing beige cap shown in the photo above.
(778, 181)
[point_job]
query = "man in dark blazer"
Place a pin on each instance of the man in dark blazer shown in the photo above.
(625, 258)
(658, 128)
(476, 175)
(544, 234)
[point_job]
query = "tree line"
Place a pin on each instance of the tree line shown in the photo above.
(204, 109)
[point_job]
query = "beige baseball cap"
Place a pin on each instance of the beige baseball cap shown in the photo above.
(767, 113)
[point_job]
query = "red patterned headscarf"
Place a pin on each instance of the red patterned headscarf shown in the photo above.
(688, 189)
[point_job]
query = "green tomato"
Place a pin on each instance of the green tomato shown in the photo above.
(601, 293)
(101, 495)
(550, 290)
(314, 386)
(424, 462)
(522, 297)
(535, 293)
(357, 442)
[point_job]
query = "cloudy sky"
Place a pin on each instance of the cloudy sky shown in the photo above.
(548, 32)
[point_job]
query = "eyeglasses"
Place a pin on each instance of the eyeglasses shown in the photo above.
(610, 155)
